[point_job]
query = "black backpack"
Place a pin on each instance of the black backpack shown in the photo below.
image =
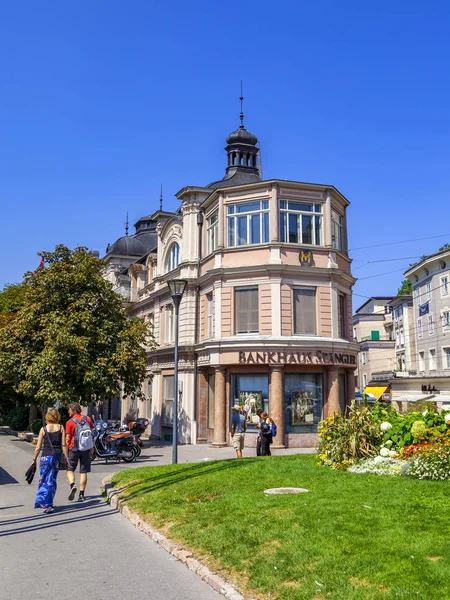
(266, 429)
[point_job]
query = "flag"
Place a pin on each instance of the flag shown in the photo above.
(41, 264)
(424, 309)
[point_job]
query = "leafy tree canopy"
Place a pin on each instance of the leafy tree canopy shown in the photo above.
(405, 288)
(71, 339)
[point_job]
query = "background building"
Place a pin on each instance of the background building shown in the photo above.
(266, 317)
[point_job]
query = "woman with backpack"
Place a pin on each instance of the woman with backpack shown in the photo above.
(52, 442)
(266, 427)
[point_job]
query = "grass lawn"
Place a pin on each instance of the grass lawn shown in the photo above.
(360, 536)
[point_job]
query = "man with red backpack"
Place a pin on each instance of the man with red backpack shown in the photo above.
(80, 443)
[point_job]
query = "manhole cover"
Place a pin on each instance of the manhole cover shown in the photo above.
(285, 491)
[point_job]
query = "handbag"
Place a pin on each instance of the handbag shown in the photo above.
(29, 475)
(62, 461)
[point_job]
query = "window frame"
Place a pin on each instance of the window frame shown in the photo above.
(210, 301)
(446, 358)
(173, 257)
(238, 290)
(342, 316)
(419, 328)
(295, 290)
(445, 321)
(317, 216)
(233, 216)
(428, 290)
(430, 324)
(434, 368)
(421, 361)
(169, 324)
(212, 232)
(337, 227)
(444, 287)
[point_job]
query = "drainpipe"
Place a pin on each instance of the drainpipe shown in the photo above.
(197, 310)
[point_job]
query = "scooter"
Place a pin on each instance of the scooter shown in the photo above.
(107, 445)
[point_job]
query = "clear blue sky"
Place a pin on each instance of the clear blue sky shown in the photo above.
(102, 101)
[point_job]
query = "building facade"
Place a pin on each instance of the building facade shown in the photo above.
(265, 320)
(373, 331)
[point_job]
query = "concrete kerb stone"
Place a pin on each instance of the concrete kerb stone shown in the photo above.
(184, 556)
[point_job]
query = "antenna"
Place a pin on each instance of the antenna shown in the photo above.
(160, 199)
(126, 225)
(241, 116)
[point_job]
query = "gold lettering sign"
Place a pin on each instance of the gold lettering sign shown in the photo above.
(319, 357)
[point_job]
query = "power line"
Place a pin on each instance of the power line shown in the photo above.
(369, 262)
(380, 274)
(431, 237)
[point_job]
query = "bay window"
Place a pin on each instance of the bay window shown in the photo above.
(212, 227)
(248, 223)
(300, 222)
(336, 230)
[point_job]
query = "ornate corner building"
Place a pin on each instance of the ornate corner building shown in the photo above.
(265, 321)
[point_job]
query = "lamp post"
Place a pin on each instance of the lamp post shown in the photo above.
(177, 288)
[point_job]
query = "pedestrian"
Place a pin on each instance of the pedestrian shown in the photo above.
(258, 438)
(80, 444)
(238, 428)
(265, 428)
(52, 442)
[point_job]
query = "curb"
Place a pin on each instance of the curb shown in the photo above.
(184, 556)
(26, 436)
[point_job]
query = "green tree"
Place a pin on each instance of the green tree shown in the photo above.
(405, 288)
(444, 247)
(71, 340)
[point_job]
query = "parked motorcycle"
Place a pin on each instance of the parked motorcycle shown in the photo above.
(109, 444)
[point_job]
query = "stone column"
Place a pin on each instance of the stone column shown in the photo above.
(350, 375)
(276, 403)
(220, 409)
(333, 392)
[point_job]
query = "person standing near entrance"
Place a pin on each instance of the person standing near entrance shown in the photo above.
(238, 428)
(80, 444)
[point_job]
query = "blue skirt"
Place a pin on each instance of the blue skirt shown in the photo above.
(49, 466)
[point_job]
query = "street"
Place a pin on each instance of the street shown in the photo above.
(84, 550)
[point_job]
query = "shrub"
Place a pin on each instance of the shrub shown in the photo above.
(345, 439)
(418, 430)
(36, 426)
(17, 418)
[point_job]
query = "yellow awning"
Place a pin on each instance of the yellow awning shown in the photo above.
(376, 391)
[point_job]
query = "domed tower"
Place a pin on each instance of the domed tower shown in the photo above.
(242, 151)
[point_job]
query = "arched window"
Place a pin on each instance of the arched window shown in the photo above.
(173, 258)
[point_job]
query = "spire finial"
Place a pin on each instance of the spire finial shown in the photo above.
(126, 225)
(241, 116)
(160, 199)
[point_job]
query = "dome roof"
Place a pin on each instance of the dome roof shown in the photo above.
(128, 246)
(242, 136)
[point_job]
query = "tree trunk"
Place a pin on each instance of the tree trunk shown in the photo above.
(33, 413)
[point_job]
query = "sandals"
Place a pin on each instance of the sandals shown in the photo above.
(48, 510)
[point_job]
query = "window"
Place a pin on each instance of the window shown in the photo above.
(430, 325)
(364, 378)
(363, 358)
(210, 299)
(211, 389)
(173, 258)
(397, 337)
(300, 223)
(354, 333)
(417, 295)
(446, 358)
(167, 408)
(402, 337)
(419, 328)
(429, 290)
(342, 313)
(251, 392)
(336, 230)
(445, 320)
(303, 395)
(248, 223)
(432, 359)
(375, 336)
(444, 285)
(246, 310)
(212, 227)
(305, 311)
(422, 361)
(169, 321)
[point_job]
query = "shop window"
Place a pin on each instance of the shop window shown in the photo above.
(250, 392)
(300, 222)
(246, 310)
(303, 396)
(211, 388)
(167, 408)
(248, 223)
(305, 311)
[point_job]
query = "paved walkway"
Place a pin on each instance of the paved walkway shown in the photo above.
(47, 555)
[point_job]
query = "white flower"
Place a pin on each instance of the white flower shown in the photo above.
(392, 453)
(385, 426)
(447, 418)
(384, 452)
(425, 412)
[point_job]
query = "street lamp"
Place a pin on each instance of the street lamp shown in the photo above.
(176, 287)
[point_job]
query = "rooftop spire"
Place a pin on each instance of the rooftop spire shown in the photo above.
(160, 199)
(241, 116)
(126, 225)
